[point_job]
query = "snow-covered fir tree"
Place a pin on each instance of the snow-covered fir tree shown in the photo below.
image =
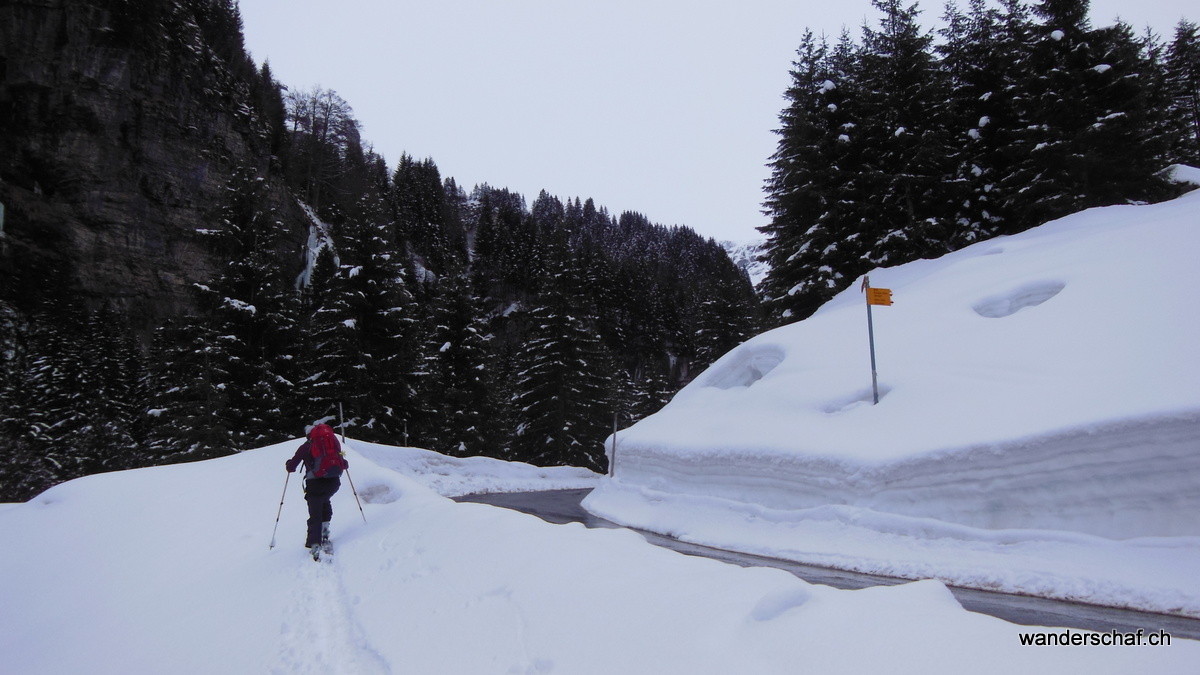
(44, 406)
(245, 333)
(183, 417)
(112, 396)
(73, 401)
(361, 345)
(804, 187)
(983, 55)
(562, 389)
(723, 324)
(1086, 137)
(456, 384)
(902, 118)
(1183, 81)
(427, 213)
(1028, 114)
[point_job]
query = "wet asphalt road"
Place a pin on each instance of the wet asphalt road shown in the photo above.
(563, 506)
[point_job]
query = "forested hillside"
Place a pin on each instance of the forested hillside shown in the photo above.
(196, 259)
(265, 268)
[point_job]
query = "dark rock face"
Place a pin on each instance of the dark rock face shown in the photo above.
(114, 148)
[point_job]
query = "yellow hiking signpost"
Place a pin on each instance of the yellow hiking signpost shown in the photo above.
(879, 296)
(875, 296)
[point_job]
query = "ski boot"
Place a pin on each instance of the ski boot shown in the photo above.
(326, 544)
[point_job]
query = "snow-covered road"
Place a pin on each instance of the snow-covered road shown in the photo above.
(563, 506)
(426, 585)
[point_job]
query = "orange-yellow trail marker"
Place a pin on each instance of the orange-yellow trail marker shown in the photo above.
(879, 296)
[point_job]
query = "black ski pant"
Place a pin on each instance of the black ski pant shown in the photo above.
(317, 492)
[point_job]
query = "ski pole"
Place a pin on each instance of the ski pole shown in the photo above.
(343, 425)
(342, 422)
(285, 483)
(360, 509)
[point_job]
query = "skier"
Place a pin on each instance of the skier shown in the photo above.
(323, 460)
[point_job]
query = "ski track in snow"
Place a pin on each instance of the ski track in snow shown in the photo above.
(319, 634)
(527, 663)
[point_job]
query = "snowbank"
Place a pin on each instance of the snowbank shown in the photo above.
(1045, 381)
(1155, 574)
(1125, 479)
(168, 570)
(1181, 173)
(457, 476)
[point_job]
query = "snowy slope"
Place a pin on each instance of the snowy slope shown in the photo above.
(167, 570)
(1042, 386)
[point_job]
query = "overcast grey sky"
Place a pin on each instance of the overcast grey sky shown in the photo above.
(665, 107)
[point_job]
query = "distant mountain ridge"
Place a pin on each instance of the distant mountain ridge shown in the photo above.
(747, 256)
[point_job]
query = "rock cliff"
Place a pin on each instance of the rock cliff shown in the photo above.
(120, 123)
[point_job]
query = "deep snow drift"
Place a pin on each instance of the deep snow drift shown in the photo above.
(167, 570)
(457, 476)
(1038, 428)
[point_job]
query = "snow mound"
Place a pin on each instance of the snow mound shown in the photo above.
(748, 366)
(1027, 295)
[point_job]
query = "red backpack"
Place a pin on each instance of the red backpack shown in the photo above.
(327, 454)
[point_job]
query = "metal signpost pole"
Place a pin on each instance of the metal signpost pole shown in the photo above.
(612, 460)
(871, 336)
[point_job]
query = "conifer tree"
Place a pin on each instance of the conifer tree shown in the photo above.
(187, 395)
(247, 328)
(13, 337)
(651, 390)
(110, 398)
(457, 382)
(983, 56)
(817, 194)
(273, 110)
(362, 353)
(1183, 82)
(804, 187)
(1130, 135)
(310, 398)
(45, 407)
(72, 403)
(561, 401)
(724, 323)
(1088, 137)
(902, 120)
(500, 221)
(338, 370)
(857, 180)
(419, 209)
